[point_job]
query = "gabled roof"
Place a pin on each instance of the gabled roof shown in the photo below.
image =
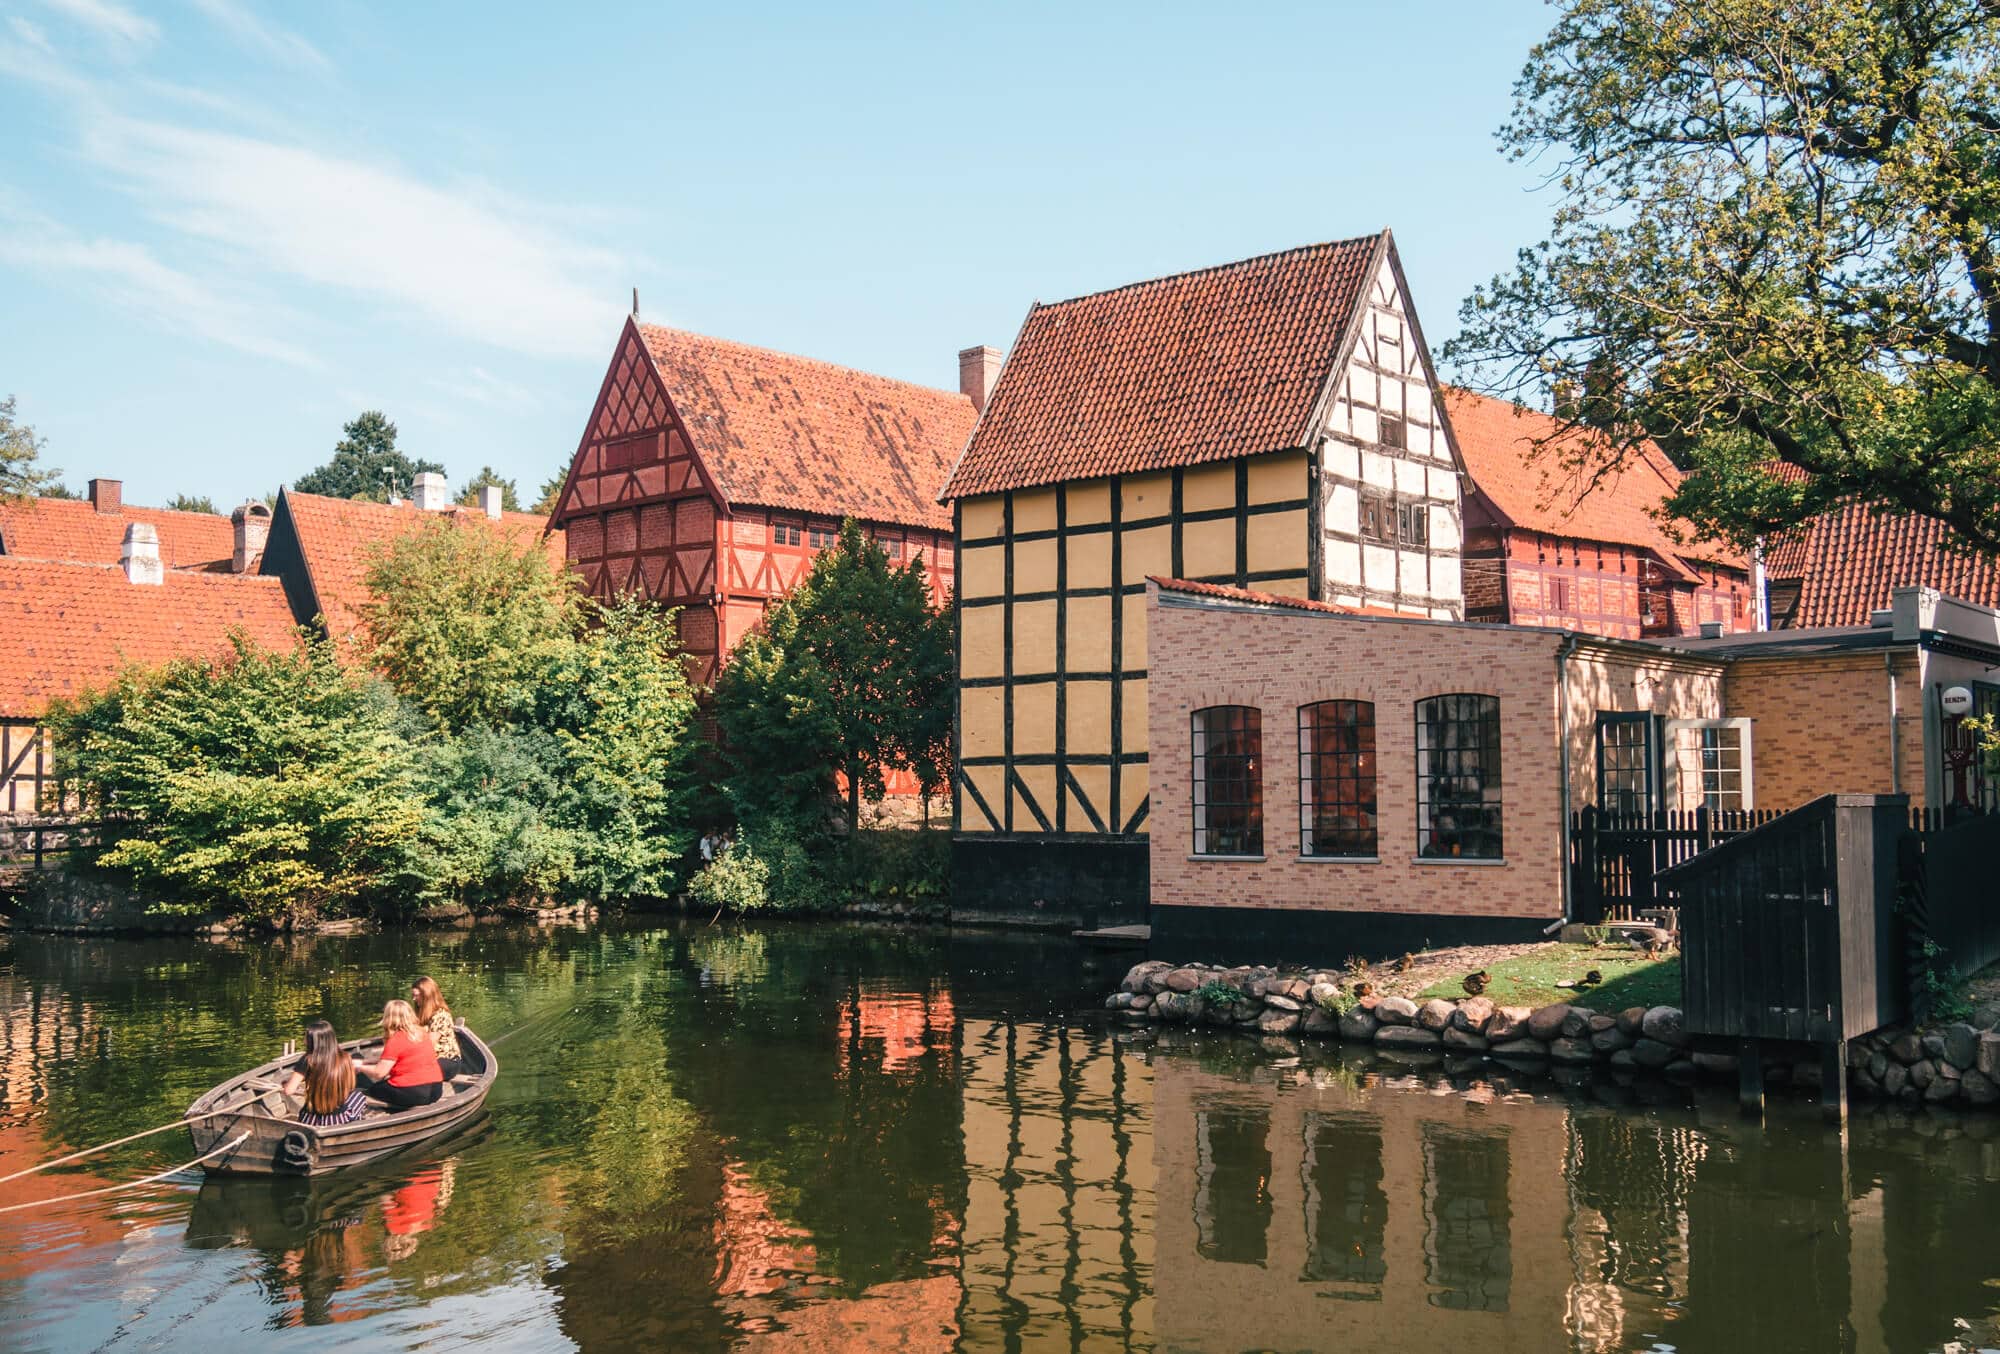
(1848, 560)
(1203, 366)
(337, 536)
(70, 627)
(73, 529)
(780, 431)
(1527, 486)
(1223, 592)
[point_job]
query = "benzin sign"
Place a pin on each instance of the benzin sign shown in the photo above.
(1957, 700)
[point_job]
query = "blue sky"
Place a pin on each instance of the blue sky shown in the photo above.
(226, 226)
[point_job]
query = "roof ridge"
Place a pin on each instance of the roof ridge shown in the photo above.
(1164, 278)
(642, 326)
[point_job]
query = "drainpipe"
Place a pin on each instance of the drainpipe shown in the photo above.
(1895, 734)
(1563, 651)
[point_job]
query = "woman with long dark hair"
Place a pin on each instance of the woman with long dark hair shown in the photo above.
(407, 1074)
(324, 1078)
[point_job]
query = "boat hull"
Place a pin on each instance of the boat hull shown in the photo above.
(275, 1144)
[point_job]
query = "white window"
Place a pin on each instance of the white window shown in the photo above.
(1711, 764)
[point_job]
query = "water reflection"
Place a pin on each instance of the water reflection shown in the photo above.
(838, 1138)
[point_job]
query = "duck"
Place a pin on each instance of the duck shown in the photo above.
(1406, 963)
(1475, 983)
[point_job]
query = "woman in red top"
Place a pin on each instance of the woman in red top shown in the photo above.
(407, 1074)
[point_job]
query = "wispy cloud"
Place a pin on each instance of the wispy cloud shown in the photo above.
(477, 385)
(262, 38)
(461, 257)
(30, 34)
(135, 281)
(118, 26)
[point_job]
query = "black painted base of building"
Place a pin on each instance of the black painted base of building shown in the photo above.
(1045, 881)
(1270, 935)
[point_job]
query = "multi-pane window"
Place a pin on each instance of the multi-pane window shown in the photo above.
(1395, 433)
(821, 538)
(1625, 763)
(1377, 518)
(1337, 779)
(1228, 799)
(1458, 776)
(1721, 753)
(1413, 523)
(785, 533)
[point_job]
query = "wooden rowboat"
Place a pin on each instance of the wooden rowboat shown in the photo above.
(278, 1144)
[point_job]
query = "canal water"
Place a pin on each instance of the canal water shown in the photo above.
(860, 1138)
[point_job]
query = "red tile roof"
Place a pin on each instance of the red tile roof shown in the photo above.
(1531, 488)
(72, 529)
(1225, 593)
(1177, 371)
(338, 535)
(780, 431)
(67, 627)
(1848, 560)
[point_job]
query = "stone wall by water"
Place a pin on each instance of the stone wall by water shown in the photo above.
(1956, 1063)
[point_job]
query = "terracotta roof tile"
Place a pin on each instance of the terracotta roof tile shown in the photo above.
(1202, 366)
(1531, 488)
(338, 535)
(67, 627)
(72, 529)
(780, 431)
(1226, 593)
(1848, 560)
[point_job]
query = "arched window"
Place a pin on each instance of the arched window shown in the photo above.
(1337, 779)
(1458, 776)
(1228, 798)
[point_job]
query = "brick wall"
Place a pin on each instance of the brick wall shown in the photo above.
(1278, 661)
(1822, 725)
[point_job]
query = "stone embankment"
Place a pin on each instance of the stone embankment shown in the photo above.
(1956, 1063)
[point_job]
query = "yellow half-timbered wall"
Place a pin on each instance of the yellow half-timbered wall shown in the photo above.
(1052, 631)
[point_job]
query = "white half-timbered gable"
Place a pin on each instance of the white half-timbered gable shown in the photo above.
(1390, 520)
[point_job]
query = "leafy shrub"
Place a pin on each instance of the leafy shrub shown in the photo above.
(735, 881)
(494, 831)
(1219, 994)
(263, 784)
(900, 864)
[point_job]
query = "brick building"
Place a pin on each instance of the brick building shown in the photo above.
(1328, 778)
(1269, 423)
(711, 473)
(1549, 543)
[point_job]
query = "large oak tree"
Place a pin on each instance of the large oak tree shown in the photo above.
(1777, 245)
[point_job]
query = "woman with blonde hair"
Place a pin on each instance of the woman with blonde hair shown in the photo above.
(407, 1074)
(436, 1018)
(324, 1078)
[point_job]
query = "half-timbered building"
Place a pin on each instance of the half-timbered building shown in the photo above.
(1271, 423)
(1552, 537)
(711, 473)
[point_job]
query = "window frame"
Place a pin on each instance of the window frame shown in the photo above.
(1248, 726)
(1413, 524)
(1384, 423)
(1745, 744)
(1653, 763)
(1489, 808)
(1365, 776)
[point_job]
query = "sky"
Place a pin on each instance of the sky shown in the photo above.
(228, 227)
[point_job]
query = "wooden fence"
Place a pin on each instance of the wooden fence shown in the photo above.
(41, 844)
(1615, 860)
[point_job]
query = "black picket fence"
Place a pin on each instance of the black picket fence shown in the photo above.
(1615, 859)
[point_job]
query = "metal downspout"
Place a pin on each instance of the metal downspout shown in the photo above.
(1563, 652)
(1895, 734)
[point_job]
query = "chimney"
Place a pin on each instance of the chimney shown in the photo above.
(429, 492)
(139, 556)
(1711, 629)
(107, 495)
(489, 500)
(978, 369)
(251, 523)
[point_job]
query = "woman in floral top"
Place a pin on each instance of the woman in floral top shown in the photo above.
(435, 1016)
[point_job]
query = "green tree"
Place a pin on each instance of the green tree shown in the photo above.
(847, 675)
(510, 500)
(366, 464)
(495, 832)
(551, 493)
(267, 784)
(463, 619)
(619, 708)
(1778, 239)
(191, 503)
(20, 450)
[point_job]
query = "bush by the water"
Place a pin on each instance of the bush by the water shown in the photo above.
(735, 881)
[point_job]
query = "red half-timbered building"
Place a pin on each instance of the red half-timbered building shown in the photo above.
(1544, 546)
(711, 473)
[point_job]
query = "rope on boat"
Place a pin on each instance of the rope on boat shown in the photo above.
(229, 1146)
(118, 1142)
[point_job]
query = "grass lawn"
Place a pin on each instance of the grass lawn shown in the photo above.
(1629, 979)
